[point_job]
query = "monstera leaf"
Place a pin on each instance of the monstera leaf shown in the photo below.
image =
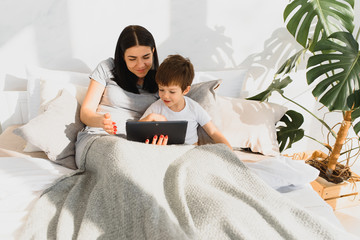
(337, 67)
(291, 132)
(276, 86)
(354, 115)
(292, 62)
(329, 16)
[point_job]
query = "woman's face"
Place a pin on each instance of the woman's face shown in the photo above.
(139, 60)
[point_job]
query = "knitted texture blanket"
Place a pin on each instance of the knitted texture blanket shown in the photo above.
(129, 190)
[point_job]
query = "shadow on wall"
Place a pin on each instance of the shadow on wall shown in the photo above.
(278, 48)
(207, 49)
(261, 70)
(50, 23)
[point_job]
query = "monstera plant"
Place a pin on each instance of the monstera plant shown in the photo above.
(325, 29)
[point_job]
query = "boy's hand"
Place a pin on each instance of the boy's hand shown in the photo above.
(109, 126)
(154, 117)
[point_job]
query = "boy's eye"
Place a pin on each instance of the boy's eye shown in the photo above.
(161, 90)
(172, 92)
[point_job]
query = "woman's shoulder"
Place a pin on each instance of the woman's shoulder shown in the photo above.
(103, 72)
(106, 64)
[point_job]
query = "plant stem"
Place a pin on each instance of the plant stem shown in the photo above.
(343, 131)
(317, 141)
(320, 120)
(349, 150)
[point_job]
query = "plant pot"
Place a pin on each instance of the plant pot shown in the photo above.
(341, 195)
(337, 195)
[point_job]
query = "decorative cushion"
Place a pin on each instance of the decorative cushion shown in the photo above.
(250, 124)
(204, 94)
(55, 130)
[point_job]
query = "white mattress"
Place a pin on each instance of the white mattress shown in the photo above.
(22, 179)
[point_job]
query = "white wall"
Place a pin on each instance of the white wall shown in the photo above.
(75, 35)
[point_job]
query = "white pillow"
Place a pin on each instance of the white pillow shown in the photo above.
(282, 171)
(231, 81)
(59, 121)
(29, 147)
(49, 90)
(250, 124)
(35, 74)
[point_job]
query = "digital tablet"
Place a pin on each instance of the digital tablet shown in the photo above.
(140, 131)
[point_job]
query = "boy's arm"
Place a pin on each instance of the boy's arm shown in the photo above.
(215, 134)
(151, 114)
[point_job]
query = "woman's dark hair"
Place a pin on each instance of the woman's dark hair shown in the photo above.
(131, 36)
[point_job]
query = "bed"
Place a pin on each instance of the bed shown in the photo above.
(182, 200)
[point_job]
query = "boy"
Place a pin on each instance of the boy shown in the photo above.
(174, 77)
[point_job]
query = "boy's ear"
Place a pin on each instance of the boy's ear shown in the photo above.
(186, 90)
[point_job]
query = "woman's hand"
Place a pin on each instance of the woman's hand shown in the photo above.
(163, 140)
(108, 125)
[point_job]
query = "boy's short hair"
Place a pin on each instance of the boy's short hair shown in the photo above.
(175, 70)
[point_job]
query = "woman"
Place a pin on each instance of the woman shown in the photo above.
(120, 88)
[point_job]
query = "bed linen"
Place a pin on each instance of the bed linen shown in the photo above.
(13, 159)
(41, 173)
(180, 192)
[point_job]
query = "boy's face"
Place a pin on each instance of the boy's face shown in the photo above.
(173, 96)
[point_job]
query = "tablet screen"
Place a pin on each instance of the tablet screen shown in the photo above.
(140, 131)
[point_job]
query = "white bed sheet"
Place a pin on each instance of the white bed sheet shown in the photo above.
(22, 179)
(277, 171)
(21, 182)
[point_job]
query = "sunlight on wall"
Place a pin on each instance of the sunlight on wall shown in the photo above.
(95, 26)
(15, 54)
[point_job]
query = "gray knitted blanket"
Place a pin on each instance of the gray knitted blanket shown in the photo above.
(128, 190)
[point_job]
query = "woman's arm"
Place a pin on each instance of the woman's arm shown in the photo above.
(91, 102)
(215, 134)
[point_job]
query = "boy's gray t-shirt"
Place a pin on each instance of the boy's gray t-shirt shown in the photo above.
(192, 112)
